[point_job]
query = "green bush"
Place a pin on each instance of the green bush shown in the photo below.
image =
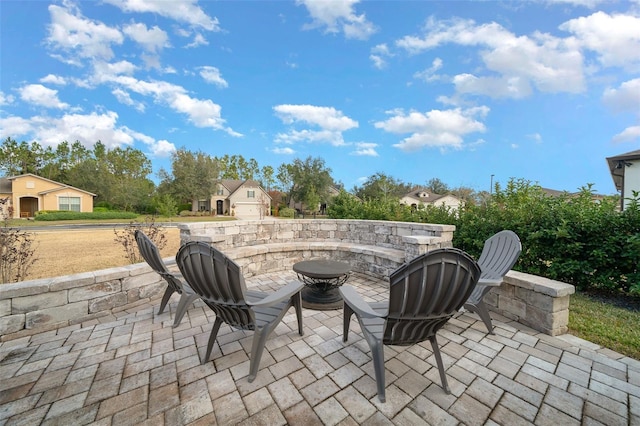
(569, 238)
(100, 209)
(287, 212)
(67, 215)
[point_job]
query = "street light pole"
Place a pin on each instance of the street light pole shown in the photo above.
(491, 186)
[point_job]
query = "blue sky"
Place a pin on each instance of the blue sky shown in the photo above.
(453, 90)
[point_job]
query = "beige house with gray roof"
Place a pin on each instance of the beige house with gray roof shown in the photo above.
(421, 196)
(245, 199)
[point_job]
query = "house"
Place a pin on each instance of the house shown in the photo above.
(29, 193)
(299, 206)
(242, 198)
(421, 196)
(625, 172)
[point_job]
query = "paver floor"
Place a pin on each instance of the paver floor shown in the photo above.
(134, 368)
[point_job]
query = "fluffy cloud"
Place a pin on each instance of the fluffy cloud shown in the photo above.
(152, 40)
(624, 98)
(336, 16)
(212, 75)
(365, 149)
(186, 11)
(630, 134)
(614, 38)
(330, 121)
(379, 55)
(37, 94)
(86, 128)
(435, 128)
(75, 35)
(548, 63)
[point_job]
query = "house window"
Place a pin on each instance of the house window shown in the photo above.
(220, 191)
(251, 194)
(69, 203)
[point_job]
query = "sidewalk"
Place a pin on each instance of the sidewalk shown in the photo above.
(133, 368)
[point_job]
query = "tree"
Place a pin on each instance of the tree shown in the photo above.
(236, 167)
(20, 158)
(311, 182)
(437, 186)
(194, 176)
(381, 186)
(285, 178)
(266, 178)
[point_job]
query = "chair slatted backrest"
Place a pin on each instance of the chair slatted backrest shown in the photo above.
(218, 280)
(426, 292)
(499, 254)
(151, 255)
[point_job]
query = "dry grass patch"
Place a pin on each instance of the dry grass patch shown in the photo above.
(70, 251)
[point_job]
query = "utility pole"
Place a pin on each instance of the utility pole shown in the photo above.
(491, 185)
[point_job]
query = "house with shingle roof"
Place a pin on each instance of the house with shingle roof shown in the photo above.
(421, 196)
(245, 199)
(625, 172)
(29, 193)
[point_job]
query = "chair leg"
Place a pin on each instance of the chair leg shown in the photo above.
(185, 301)
(165, 299)
(377, 353)
(483, 313)
(297, 304)
(443, 375)
(347, 312)
(212, 339)
(257, 347)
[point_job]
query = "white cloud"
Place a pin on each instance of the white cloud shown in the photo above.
(212, 75)
(201, 112)
(330, 121)
(379, 55)
(630, 134)
(548, 63)
(53, 79)
(615, 38)
(80, 37)
(125, 98)
(586, 3)
(336, 16)
(429, 74)
(186, 11)
(5, 99)
(284, 151)
(198, 40)
(151, 40)
(436, 128)
(87, 128)
(365, 149)
(37, 94)
(162, 148)
(624, 98)
(536, 137)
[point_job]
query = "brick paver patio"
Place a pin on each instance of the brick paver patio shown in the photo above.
(134, 368)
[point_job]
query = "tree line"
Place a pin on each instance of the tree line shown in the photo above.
(120, 177)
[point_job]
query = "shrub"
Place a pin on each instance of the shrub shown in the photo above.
(287, 212)
(16, 248)
(67, 215)
(165, 206)
(126, 237)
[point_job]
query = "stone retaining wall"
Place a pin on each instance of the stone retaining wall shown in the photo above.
(374, 248)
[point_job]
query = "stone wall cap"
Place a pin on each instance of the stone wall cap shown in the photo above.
(539, 284)
(24, 288)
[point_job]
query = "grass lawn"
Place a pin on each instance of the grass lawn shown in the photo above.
(604, 322)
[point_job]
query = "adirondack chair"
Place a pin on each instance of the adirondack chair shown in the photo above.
(423, 295)
(175, 284)
(499, 254)
(218, 280)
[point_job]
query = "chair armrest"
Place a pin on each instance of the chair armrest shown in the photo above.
(490, 282)
(356, 303)
(278, 296)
